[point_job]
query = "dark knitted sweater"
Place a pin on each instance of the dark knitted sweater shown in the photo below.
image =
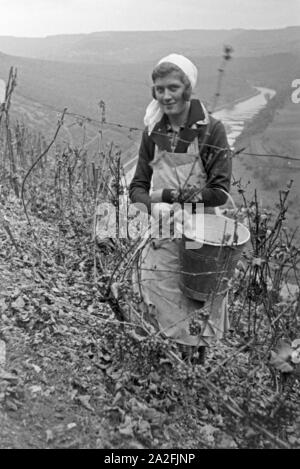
(215, 156)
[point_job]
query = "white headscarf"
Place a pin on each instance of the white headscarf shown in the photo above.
(153, 111)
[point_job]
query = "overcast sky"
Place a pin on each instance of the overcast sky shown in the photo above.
(46, 17)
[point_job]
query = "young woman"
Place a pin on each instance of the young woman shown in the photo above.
(182, 146)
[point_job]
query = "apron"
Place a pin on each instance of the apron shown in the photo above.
(158, 265)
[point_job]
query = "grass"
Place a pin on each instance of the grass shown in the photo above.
(267, 174)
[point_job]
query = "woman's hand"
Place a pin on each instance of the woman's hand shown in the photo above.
(189, 194)
(171, 196)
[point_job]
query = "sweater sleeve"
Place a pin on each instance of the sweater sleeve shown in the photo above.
(140, 185)
(218, 167)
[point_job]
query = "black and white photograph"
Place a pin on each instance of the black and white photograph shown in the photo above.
(149, 227)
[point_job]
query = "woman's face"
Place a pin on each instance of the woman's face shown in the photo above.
(169, 92)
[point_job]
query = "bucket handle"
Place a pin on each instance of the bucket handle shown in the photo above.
(230, 198)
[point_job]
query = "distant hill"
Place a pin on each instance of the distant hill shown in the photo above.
(125, 88)
(136, 46)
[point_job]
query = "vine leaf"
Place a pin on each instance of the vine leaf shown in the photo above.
(280, 363)
(280, 359)
(284, 350)
(295, 356)
(296, 343)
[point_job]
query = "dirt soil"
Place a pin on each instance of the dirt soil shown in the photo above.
(63, 383)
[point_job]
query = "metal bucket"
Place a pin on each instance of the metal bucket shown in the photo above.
(206, 269)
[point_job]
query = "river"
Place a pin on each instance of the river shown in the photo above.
(235, 117)
(2, 91)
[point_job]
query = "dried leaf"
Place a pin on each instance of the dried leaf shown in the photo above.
(90, 309)
(292, 439)
(295, 356)
(27, 273)
(11, 405)
(106, 357)
(227, 442)
(117, 398)
(144, 429)
(126, 428)
(7, 376)
(114, 374)
(60, 329)
(103, 366)
(3, 306)
(49, 436)
(207, 432)
(35, 389)
(250, 433)
(70, 426)
(136, 336)
(163, 361)
(296, 343)
(59, 429)
(115, 289)
(36, 368)
(84, 400)
(18, 304)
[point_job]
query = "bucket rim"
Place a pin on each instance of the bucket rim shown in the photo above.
(213, 243)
